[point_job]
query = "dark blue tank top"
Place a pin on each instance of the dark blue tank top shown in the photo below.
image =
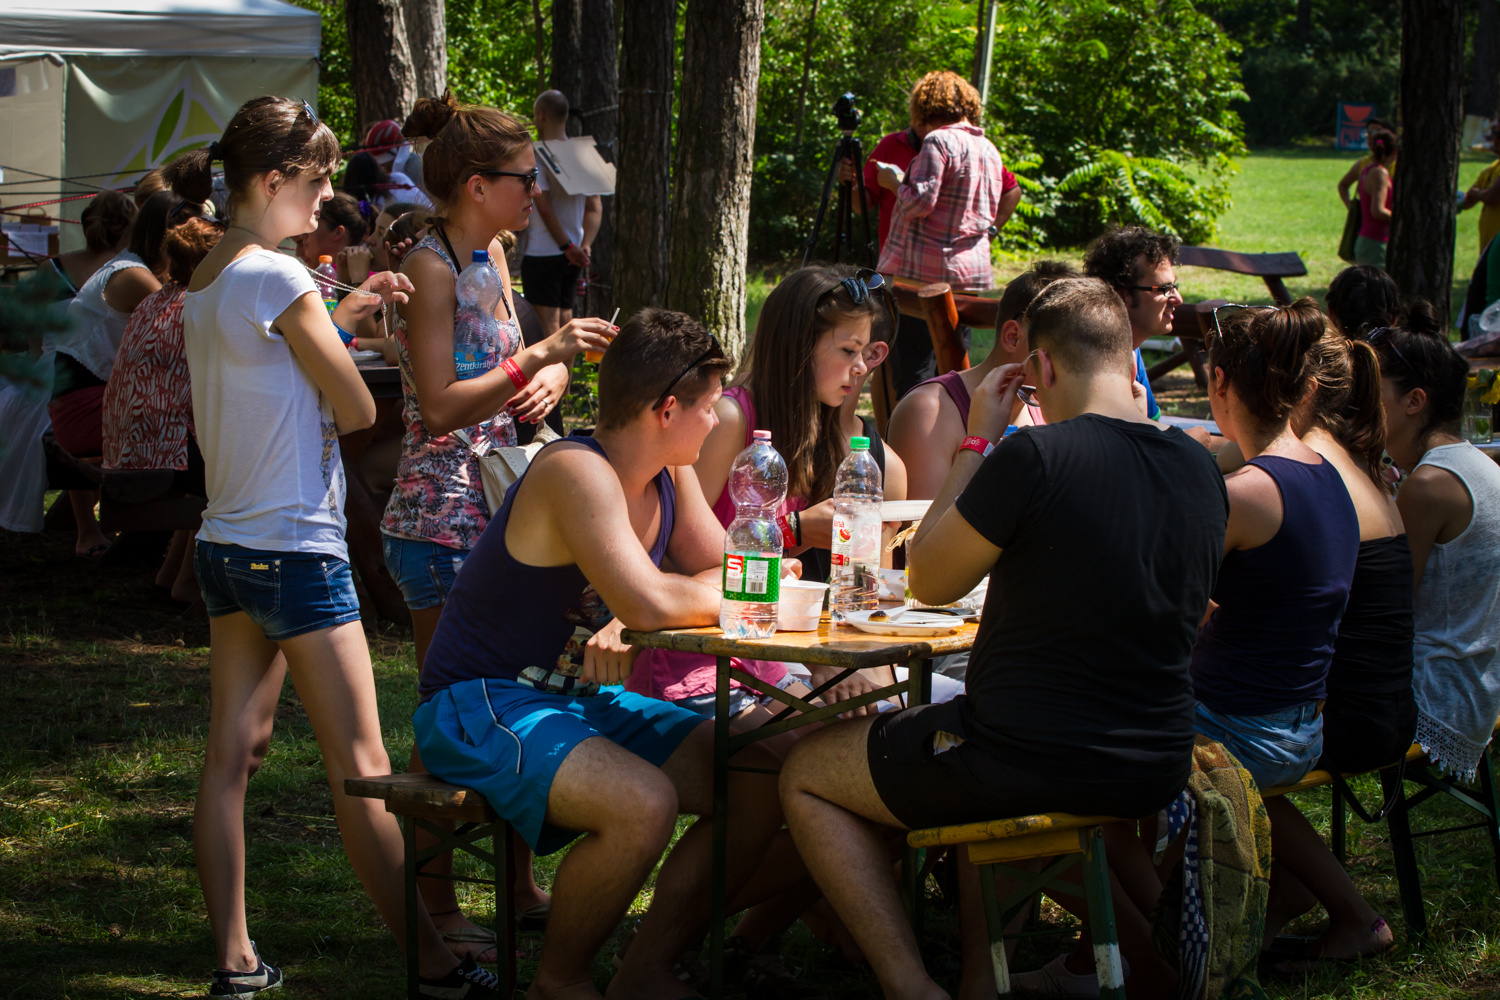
(1268, 645)
(507, 619)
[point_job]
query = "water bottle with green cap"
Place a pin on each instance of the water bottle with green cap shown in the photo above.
(854, 582)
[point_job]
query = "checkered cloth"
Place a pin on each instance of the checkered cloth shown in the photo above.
(944, 209)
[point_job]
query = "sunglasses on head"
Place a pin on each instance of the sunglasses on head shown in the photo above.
(865, 283)
(1386, 335)
(1218, 329)
(714, 350)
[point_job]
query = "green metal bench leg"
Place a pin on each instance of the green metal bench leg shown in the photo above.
(996, 928)
(1405, 856)
(409, 834)
(1102, 919)
(1492, 825)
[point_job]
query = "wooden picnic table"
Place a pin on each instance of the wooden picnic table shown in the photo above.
(841, 647)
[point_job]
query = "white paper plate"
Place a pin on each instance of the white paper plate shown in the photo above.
(359, 356)
(912, 623)
(904, 510)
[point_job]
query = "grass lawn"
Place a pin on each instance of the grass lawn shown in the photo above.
(106, 697)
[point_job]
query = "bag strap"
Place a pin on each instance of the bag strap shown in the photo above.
(1341, 787)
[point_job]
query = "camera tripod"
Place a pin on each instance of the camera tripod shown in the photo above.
(849, 148)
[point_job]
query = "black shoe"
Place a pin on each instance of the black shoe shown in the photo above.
(466, 982)
(228, 983)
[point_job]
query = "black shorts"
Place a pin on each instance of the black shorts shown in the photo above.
(967, 785)
(549, 281)
(1363, 731)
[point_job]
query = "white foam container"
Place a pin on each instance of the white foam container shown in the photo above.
(800, 606)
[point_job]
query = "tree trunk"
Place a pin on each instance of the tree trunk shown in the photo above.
(1420, 256)
(643, 190)
(385, 85)
(427, 35)
(711, 186)
(1484, 81)
(599, 106)
(567, 55)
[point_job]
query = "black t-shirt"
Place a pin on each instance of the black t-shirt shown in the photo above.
(1112, 533)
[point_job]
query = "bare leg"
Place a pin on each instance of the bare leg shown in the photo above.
(171, 566)
(332, 672)
(678, 915)
(1354, 927)
(547, 315)
(836, 817)
(185, 587)
(89, 535)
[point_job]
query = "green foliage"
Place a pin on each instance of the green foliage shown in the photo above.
(1153, 192)
(335, 92)
(29, 312)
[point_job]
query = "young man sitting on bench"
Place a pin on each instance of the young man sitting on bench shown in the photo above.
(517, 690)
(1102, 537)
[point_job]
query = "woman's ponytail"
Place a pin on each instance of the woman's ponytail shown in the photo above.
(191, 175)
(1363, 432)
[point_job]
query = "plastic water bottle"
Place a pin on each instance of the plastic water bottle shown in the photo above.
(854, 581)
(752, 545)
(476, 333)
(326, 279)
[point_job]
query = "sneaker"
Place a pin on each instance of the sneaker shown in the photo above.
(466, 982)
(1055, 980)
(228, 983)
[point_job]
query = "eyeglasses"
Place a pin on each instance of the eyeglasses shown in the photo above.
(1166, 289)
(311, 114)
(1385, 335)
(714, 350)
(528, 178)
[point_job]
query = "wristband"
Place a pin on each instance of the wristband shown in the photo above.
(346, 337)
(517, 377)
(788, 536)
(566, 246)
(976, 444)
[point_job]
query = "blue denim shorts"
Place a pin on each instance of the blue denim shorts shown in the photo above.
(424, 571)
(1277, 748)
(286, 593)
(507, 740)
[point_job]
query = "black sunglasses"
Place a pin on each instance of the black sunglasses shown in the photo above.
(528, 178)
(714, 350)
(865, 283)
(1385, 335)
(1219, 330)
(311, 114)
(1166, 289)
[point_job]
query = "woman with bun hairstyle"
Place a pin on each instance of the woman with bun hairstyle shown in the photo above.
(273, 387)
(1450, 501)
(1260, 662)
(480, 169)
(1369, 716)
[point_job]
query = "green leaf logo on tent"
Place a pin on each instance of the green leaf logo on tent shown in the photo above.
(184, 122)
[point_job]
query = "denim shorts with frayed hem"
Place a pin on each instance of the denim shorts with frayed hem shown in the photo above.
(286, 593)
(424, 571)
(1277, 748)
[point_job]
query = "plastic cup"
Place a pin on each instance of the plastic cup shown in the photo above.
(800, 606)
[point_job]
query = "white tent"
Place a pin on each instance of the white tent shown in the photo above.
(104, 90)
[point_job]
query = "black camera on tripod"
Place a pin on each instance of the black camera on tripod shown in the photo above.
(847, 114)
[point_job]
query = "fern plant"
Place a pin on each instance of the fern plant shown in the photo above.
(1113, 187)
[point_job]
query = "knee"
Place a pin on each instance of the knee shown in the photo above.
(797, 769)
(644, 812)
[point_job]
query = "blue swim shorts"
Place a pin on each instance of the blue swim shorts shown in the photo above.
(286, 593)
(1277, 748)
(507, 741)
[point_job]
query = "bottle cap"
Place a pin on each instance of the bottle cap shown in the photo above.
(480, 257)
(324, 259)
(761, 435)
(859, 444)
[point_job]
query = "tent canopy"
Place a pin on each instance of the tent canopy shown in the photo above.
(266, 29)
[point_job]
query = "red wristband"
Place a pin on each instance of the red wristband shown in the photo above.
(788, 536)
(517, 377)
(975, 443)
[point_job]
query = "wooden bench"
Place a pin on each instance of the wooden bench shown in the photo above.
(130, 499)
(423, 802)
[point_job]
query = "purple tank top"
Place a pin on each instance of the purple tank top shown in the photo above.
(517, 622)
(953, 384)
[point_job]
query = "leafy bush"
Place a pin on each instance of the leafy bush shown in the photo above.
(1294, 94)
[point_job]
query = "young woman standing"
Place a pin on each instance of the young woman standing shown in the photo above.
(481, 169)
(272, 388)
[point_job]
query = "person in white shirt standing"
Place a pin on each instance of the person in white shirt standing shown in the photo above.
(554, 257)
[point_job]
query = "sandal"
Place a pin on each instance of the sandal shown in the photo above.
(1309, 963)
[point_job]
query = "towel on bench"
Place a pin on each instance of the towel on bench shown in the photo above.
(1211, 916)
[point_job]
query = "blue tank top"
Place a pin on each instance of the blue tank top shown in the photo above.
(1268, 645)
(509, 620)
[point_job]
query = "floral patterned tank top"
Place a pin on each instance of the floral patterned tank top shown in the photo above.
(439, 496)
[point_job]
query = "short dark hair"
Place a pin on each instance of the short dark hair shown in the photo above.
(653, 346)
(1362, 298)
(1082, 321)
(1416, 354)
(1026, 286)
(1112, 257)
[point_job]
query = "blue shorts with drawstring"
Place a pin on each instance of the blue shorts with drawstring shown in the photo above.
(507, 740)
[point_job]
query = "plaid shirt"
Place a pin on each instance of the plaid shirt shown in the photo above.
(944, 209)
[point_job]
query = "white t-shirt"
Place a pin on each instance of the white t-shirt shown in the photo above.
(403, 188)
(270, 446)
(569, 211)
(97, 328)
